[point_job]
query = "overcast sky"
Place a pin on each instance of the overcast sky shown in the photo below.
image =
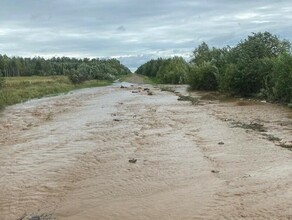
(134, 31)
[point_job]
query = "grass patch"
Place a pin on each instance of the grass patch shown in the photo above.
(20, 89)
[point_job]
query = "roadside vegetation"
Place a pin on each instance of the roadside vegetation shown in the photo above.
(20, 89)
(22, 79)
(258, 66)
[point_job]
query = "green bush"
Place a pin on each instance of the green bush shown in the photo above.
(244, 78)
(226, 77)
(77, 77)
(203, 77)
(282, 78)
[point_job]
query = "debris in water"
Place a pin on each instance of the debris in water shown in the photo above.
(149, 92)
(252, 126)
(35, 218)
(272, 137)
(168, 89)
(123, 87)
(133, 160)
(286, 144)
(221, 143)
(117, 119)
(193, 100)
(38, 217)
(135, 91)
(214, 171)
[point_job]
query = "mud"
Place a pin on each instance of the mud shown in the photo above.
(108, 153)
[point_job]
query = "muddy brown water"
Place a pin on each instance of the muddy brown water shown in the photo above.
(68, 157)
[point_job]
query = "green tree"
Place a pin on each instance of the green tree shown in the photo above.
(250, 75)
(38, 69)
(174, 71)
(202, 54)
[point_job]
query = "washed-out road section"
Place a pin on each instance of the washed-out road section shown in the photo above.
(67, 157)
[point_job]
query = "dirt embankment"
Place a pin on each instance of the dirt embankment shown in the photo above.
(137, 153)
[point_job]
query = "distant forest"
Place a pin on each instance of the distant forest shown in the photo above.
(259, 66)
(77, 69)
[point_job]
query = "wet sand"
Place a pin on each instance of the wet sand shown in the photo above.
(67, 157)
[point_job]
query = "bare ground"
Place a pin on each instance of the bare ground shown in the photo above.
(67, 157)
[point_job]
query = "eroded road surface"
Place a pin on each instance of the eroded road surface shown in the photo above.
(67, 157)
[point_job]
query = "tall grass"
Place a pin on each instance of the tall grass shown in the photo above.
(20, 89)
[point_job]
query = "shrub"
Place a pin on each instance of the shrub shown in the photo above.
(203, 77)
(225, 78)
(282, 78)
(77, 77)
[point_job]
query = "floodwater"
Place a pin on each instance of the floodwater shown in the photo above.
(67, 157)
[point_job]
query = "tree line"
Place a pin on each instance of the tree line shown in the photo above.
(260, 65)
(78, 70)
(172, 70)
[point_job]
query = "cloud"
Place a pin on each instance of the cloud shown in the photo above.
(134, 31)
(121, 28)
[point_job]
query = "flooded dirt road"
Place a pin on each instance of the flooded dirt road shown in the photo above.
(67, 157)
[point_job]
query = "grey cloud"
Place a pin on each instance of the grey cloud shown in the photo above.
(132, 30)
(121, 28)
